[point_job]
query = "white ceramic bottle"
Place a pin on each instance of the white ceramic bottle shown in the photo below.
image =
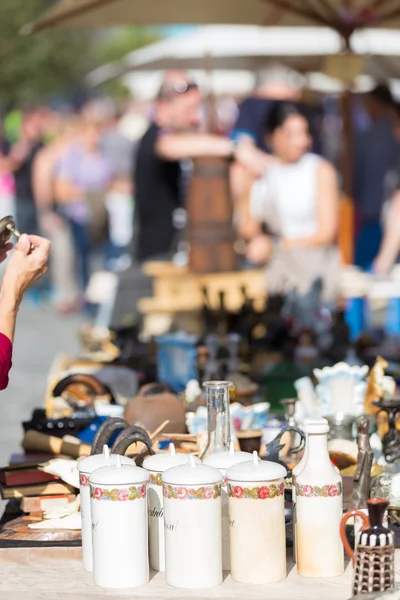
(319, 504)
(257, 521)
(297, 469)
(192, 515)
(222, 461)
(85, 467)
(118, 496)
(156, 465)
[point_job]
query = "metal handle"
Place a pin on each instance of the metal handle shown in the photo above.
(12, 229)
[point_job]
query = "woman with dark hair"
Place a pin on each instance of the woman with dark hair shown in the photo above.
(290, 222)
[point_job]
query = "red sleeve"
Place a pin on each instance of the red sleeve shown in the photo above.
(5, 360)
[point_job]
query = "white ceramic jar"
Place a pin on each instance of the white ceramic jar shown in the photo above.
(319, 506)
(156, 465)
(192, 514)
(257, 521)
(85, 467)
(222, 461)
(118, 496)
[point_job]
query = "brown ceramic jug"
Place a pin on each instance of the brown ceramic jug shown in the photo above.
(373, 559)
(153, 405)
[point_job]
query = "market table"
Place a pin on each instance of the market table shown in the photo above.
(49, 573)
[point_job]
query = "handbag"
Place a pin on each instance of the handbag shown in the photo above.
(98, 224)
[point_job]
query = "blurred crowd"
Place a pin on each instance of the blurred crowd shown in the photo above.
(107, 184)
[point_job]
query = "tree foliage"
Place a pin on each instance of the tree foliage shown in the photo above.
(125, 40)
(53, 63)
(35, 68)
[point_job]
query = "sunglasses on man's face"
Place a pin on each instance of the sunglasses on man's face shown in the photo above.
(178, 87)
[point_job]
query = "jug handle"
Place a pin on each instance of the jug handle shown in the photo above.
(351, 513)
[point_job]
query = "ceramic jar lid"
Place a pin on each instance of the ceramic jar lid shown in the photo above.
(192, 473)
(160, 462)
(256, 470)
(90, 463)
(227, 458)
(321, 426)
(118, 474)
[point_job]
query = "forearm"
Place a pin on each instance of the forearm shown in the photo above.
(184, 146)
(9, 305)
(253, 159)
(390, 245)
(246, 225)
(6, 165)
(43, 198)
(321, 238)
(65, 192)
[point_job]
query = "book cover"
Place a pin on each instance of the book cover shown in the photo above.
(12, 477)
(36, 504)
(53, 488)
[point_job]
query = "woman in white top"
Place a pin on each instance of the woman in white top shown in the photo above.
(296, 201)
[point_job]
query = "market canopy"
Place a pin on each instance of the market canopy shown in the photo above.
(249, 47)
(344, 16)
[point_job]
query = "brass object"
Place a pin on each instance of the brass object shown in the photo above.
(362, 476)
(7, 229)
(374, 387)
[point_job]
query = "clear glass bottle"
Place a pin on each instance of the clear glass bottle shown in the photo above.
(218, 416)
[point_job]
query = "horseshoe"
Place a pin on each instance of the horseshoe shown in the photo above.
(105, 431)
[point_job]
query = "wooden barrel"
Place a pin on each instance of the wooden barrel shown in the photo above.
(210, 218)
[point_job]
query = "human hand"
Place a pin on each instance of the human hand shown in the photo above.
(4, 250)
(259, 250)
(25, 265)
(20, 151)
(382, 265)
(288, 244)
(244, 151)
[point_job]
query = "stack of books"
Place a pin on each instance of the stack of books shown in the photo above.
(35, 490)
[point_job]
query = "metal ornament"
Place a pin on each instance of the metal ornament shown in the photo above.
(7, 229)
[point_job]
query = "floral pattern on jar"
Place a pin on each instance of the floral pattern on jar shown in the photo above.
(118, 494)
(83, 480)
(315, 491)
(263, 492)
(207, 492)
(155, 479)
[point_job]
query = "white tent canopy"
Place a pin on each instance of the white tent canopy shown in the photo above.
(250, 48)
(144, 85)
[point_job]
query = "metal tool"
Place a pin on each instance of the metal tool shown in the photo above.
(7, 229)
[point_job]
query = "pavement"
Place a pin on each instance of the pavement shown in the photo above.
(40, 336)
